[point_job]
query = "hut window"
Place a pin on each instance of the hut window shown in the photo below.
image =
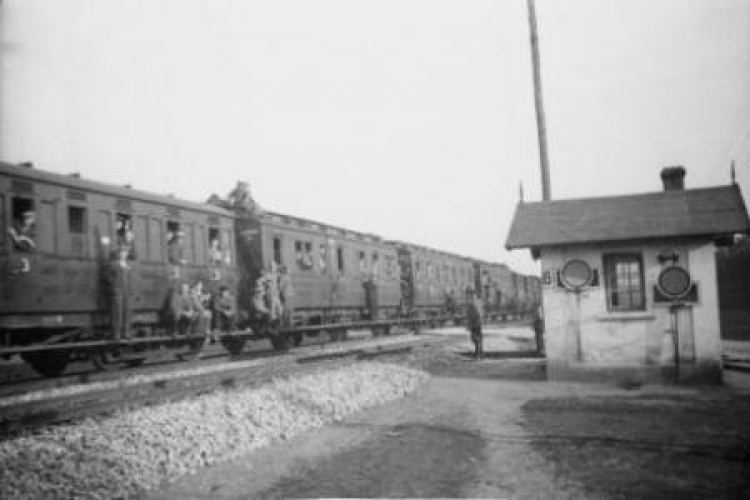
(624, 282)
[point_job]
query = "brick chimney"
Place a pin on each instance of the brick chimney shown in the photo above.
(673, 178)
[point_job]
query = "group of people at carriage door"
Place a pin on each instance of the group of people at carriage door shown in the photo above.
(190, 309)
(273, 298)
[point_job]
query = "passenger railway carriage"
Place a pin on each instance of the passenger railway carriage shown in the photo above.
(54, 304)
(336, 273)
(55, 292)
(429, 277)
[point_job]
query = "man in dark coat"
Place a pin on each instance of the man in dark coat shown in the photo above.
(120, 277)
(474, 313)
(226, 310)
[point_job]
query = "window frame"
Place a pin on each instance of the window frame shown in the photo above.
(610, 262)
(277, 249)
(82, 235)
(340, 260)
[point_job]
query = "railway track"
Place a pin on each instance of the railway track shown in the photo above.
(24, 412)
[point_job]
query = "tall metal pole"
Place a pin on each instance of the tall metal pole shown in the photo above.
(540, 125)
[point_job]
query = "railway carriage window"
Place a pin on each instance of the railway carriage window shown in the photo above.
(22, 230)
(362, 262)
(323, 257)
(624, 282)
(215, 248)
(390, 266)
(340, 259)
(77, 231)
(308, 255)
(125, 234)
(303, 252)
(277, 255)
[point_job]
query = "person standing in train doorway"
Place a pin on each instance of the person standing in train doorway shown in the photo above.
(121, 291)
(474, 313)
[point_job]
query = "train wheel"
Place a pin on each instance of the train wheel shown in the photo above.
(233, 344)
(112, 359)
(279, 342)
(48, 364)
(195, 348)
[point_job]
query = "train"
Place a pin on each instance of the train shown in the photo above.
(53, 293)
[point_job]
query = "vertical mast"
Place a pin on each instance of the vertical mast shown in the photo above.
(540, 125)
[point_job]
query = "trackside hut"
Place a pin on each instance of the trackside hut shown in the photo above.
(629, 282)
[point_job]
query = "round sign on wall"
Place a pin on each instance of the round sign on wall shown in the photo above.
(576, 274)
(674, 282)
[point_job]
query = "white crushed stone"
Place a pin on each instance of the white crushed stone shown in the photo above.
(126, 454)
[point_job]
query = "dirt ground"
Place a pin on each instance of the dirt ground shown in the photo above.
(497, 429)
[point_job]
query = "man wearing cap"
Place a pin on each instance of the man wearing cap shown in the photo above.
(22, 232)
(176, 250)
(474, 315)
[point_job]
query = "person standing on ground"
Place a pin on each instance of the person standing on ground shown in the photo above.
(474, 313)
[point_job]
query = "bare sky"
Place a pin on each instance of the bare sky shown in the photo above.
(413, 119)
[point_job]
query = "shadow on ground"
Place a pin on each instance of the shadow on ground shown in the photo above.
(398, 462)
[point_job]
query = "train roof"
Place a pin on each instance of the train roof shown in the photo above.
(73, 181)
(313, 225)
(423, 248)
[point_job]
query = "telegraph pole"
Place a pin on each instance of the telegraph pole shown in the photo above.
(540, 125)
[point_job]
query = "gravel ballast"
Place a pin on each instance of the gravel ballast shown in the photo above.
(128, 453)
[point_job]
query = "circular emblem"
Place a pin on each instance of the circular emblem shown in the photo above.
(576, 274)
(674, 282)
